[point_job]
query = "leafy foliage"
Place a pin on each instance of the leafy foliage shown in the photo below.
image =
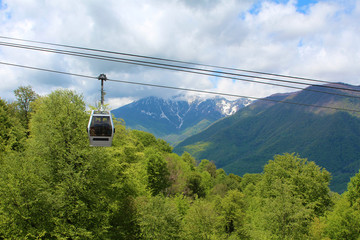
(202, 221)
(25, 96)
(344, 221)
(159, 218)
(158, 173)
(12, 133)
(54, 186)
(290, 192)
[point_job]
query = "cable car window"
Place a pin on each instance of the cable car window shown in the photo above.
(100, 126)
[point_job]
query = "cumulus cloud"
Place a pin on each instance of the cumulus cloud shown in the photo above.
(317, 39)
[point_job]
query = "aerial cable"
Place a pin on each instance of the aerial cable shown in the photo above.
(174, 68)
(168, 60)
(155, 64)
(47, 70)
(109, 58)
(183, 89)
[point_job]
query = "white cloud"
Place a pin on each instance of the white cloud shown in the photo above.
(256, 35)
(119, 102)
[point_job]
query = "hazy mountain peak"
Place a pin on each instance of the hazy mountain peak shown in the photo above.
(176, 115)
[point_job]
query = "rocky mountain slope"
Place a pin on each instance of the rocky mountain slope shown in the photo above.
(175, 119)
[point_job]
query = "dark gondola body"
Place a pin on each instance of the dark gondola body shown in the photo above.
(100, 129)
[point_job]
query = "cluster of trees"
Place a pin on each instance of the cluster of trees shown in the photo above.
(54, 186)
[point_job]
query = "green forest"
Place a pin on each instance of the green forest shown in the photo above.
(53, 185)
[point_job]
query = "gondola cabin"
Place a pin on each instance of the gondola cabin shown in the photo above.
(100, 129)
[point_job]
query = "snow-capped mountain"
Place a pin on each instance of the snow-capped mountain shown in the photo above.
(176, 118)
(228, 108)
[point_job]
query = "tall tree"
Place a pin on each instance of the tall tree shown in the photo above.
(290, 192)
(195, 186)
(158, 173)
(305, 179)
(202, 221)
(232, 210)
(158, 218)
(77, 175)
(11, 131)
(189, 160)
(25, 96)
(344, 221)
(354, 191)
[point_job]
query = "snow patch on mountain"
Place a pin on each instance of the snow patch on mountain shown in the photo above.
(227, 107)
(147, 113)
(162, 115)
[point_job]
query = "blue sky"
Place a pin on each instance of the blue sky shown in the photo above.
(299, 3)
(302, 6)
(308, 38)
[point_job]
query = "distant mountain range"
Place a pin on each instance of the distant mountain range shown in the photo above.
(176, 119)
(244, 142)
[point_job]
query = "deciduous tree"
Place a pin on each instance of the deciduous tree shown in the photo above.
(344, 221)
(158, 173)
(25, 96)
(202, 222)
(11, 132)
(158, 218)
(291, 192)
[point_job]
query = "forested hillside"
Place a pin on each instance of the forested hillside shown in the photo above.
(54, 186)
(244, 142)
